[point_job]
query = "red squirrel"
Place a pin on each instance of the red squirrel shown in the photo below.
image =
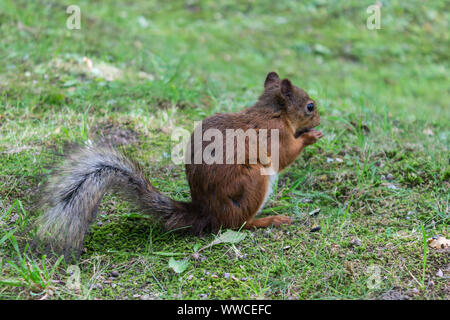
(224, 195)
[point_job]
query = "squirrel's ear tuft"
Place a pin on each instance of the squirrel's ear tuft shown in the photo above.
(287, 91)
(272, 77)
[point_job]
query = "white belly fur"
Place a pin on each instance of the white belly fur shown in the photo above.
(272, 177)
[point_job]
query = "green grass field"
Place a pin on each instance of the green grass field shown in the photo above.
(380, 175)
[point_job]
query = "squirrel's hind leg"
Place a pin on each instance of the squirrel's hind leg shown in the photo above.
(267, 221)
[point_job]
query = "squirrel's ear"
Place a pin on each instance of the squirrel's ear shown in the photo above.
(287, 91)
(272, 77)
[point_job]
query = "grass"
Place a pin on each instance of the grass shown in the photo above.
(380, 175)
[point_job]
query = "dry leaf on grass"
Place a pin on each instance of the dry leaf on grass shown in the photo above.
(439, 242)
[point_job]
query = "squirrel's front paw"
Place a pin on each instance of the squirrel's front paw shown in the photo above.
(311, 137)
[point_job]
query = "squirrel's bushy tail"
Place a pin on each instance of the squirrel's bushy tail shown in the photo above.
(74, 193)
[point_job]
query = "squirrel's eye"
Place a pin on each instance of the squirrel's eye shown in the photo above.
(310, 107)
